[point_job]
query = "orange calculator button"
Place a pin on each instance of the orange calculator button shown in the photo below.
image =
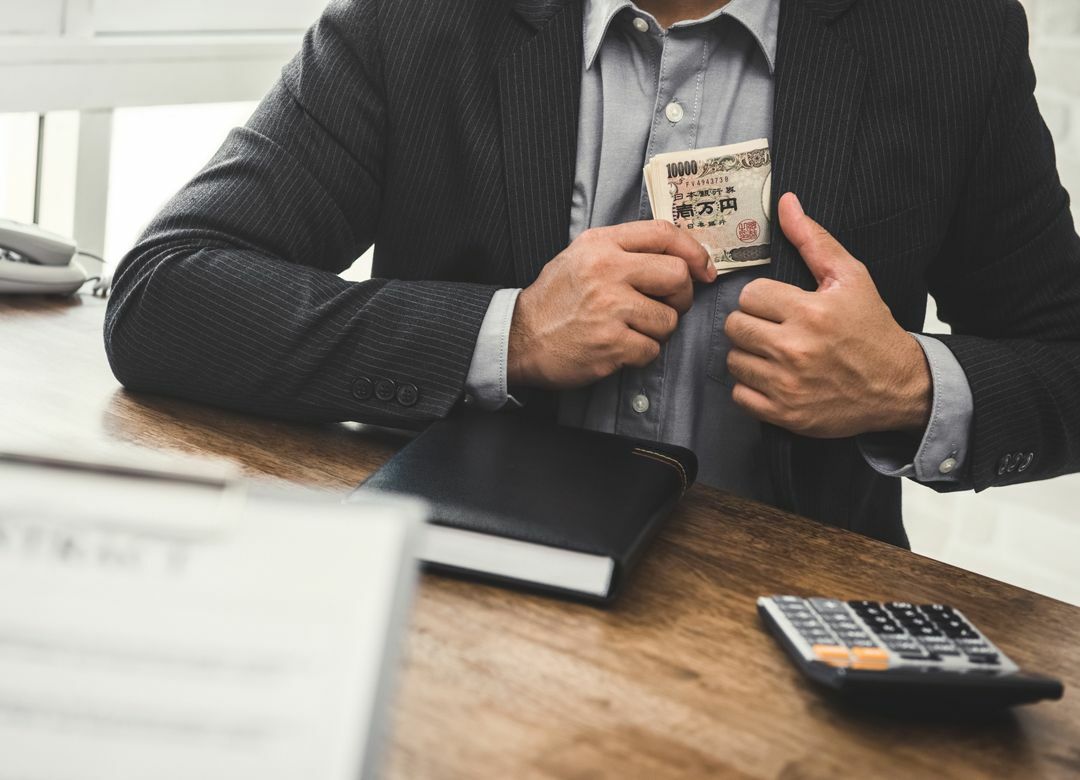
(870, 658)
(834, 655)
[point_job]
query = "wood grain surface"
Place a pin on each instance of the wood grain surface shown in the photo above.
(678, 680)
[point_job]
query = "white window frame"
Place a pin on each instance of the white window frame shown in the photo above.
(78, 67)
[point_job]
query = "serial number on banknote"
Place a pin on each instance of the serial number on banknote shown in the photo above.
(722, 194)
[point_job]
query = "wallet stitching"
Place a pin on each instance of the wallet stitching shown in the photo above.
(660, 457)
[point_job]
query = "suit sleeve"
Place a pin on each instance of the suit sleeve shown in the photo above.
(232, 295)
(1008, 282)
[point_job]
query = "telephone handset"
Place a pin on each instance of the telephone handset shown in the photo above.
(36, 262)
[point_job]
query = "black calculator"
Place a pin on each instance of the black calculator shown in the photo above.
(896, 652)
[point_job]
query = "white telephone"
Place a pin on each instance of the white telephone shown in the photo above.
(36, 262)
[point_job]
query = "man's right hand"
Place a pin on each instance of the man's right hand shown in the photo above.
(608, 300)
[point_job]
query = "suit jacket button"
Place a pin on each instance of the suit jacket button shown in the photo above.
(1003, 464)
(362, 389)
(408, 395)
(385, 389)
(1026, 461)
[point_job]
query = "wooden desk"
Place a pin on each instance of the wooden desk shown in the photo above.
(679, 680)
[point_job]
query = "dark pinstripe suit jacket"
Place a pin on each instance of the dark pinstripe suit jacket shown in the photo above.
(445, 134)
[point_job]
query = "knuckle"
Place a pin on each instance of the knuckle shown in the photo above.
(733, 362)
(589, 236)
(732, 324)
(669, 319)
(663, 227)
(676, 269)
(609, 333)
(799, 354)
(750, 291)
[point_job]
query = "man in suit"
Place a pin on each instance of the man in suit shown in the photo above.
(492, 152)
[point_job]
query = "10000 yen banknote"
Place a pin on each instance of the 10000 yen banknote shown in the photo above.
(721, 195)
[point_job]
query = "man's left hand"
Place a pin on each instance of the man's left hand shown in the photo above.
(829, 363)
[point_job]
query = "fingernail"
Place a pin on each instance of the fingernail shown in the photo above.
(712, 271)
(798, 204)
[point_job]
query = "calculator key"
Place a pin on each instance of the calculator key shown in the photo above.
(870, 658)
(837, 617)
(860, 642)
(924, 631)
(904, 615)
(844, 625)
(984, 658)
(960, 633)
(919, 655)
(828, 605)
(900, 605)
(939, 616)
(788, 599)
(834, 655)
(941, 649)
(887, 629)
(936, 609)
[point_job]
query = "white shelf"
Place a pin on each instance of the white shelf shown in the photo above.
(75, 73)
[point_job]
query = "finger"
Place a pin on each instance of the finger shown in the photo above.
(756, 403)
(752, 334)
(652, 318)
(752, 370)
(659, 237)
(824, 255)
(660, 276)
(638, 350)
(769, 299)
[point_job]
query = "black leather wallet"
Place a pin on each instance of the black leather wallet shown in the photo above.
(537, 505)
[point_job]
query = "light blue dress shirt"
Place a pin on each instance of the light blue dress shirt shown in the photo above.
(644, 91)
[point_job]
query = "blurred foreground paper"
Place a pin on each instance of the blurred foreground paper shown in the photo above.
(180, 627)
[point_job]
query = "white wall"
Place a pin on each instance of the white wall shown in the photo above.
(1029, 534)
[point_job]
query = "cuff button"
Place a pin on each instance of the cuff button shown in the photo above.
(362, 389)
(408, 395)
(385, 389)
(947, 466)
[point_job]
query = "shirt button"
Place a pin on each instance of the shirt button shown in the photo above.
(385, 389)
(362, 389)
(947, 466)
(673, 112)
(640, 403)
(641, 25)
(408, 395)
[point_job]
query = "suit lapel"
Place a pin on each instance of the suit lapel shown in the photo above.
(819, 84)
(539, 87)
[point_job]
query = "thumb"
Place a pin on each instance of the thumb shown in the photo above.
(827, 260)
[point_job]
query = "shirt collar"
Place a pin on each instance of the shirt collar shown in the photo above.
(759, 17)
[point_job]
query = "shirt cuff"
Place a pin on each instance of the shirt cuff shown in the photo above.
(943, 451)
(485, 384)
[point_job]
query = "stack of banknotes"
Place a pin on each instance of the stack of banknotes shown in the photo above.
(721, 195)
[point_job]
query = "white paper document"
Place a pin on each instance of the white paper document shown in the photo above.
(197, 632)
